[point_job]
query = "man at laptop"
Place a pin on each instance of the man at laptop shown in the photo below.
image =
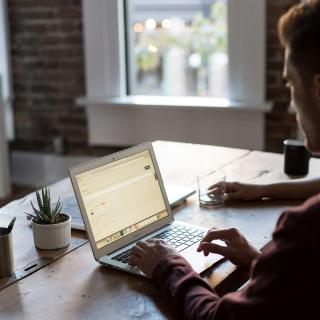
(284, 277)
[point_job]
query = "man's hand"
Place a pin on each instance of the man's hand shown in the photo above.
(147, 254)
(243, 191)
(237, 249)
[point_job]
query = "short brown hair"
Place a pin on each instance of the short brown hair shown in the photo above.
(299, 31)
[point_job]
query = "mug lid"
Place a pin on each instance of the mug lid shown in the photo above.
(293, 143)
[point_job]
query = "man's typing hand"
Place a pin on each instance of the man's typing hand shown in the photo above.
(238, 250)
(147, 254)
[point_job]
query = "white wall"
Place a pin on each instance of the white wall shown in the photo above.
(120, 125)
(5, 186)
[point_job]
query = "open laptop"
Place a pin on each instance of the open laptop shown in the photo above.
(177, 194)
(122, 199)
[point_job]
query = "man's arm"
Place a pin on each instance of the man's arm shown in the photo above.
(192, 298)
(279, 289)
(186, 293)
(294, 189)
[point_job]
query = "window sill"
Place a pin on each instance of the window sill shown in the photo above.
(195, 103)
(133, 119)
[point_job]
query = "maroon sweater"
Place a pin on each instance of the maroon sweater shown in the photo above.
(285, 279)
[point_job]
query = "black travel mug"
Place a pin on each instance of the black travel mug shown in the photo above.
(296, 158)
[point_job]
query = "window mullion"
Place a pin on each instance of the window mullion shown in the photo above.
(104, 43)
(5, 72)
(246, 46)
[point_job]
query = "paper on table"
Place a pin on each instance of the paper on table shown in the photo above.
(70, 206)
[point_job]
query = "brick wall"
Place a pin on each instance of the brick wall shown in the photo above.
(48, 74)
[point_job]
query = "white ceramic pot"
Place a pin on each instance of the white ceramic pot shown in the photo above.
(52, 236)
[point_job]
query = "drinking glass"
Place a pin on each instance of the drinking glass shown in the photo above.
(211, 188)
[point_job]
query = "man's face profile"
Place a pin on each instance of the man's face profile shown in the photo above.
(305, 98)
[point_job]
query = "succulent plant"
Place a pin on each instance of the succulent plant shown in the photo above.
(45, 214)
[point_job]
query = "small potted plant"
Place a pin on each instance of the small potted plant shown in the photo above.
(51, 228)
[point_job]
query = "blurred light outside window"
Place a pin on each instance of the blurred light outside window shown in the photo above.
(177, 47)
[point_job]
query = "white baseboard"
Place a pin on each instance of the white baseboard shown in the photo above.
(40, 169)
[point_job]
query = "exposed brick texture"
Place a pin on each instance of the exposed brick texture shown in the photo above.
(48, 74)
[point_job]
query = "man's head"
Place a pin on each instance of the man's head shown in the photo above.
(299, 31)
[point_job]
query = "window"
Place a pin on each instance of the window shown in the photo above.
(107, 55)
(116, 116)
(177, 47)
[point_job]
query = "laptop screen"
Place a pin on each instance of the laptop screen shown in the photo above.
(121, 197)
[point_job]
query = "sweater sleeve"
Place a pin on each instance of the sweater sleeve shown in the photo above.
(190, 297)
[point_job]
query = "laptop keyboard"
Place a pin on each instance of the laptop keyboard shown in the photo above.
(178, 236)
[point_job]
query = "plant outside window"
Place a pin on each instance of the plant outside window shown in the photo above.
(177, 57)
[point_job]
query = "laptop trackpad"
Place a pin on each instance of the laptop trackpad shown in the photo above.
(197, 260)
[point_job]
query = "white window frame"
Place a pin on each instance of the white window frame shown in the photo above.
(105, 65)
(5, 71)
(6, 123)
